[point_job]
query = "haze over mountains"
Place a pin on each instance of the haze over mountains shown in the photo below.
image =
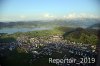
(84, 23)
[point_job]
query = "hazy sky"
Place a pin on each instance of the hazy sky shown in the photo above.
(15, 10)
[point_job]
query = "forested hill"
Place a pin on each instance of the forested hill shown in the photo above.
(86, 36)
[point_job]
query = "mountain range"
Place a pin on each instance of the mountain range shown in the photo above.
(84, 23)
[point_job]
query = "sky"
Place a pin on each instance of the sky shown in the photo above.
(17, 10)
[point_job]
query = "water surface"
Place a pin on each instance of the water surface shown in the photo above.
(14, 30)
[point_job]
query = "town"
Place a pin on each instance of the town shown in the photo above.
(49, 46)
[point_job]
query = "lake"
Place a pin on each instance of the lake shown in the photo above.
(14, 30)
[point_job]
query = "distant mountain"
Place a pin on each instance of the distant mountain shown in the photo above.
(84, 23)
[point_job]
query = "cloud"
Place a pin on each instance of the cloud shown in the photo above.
(23, 17)
(47, 15)
(80, 15)
(71, 15)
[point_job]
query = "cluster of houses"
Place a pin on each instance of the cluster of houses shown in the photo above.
(46, 46)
